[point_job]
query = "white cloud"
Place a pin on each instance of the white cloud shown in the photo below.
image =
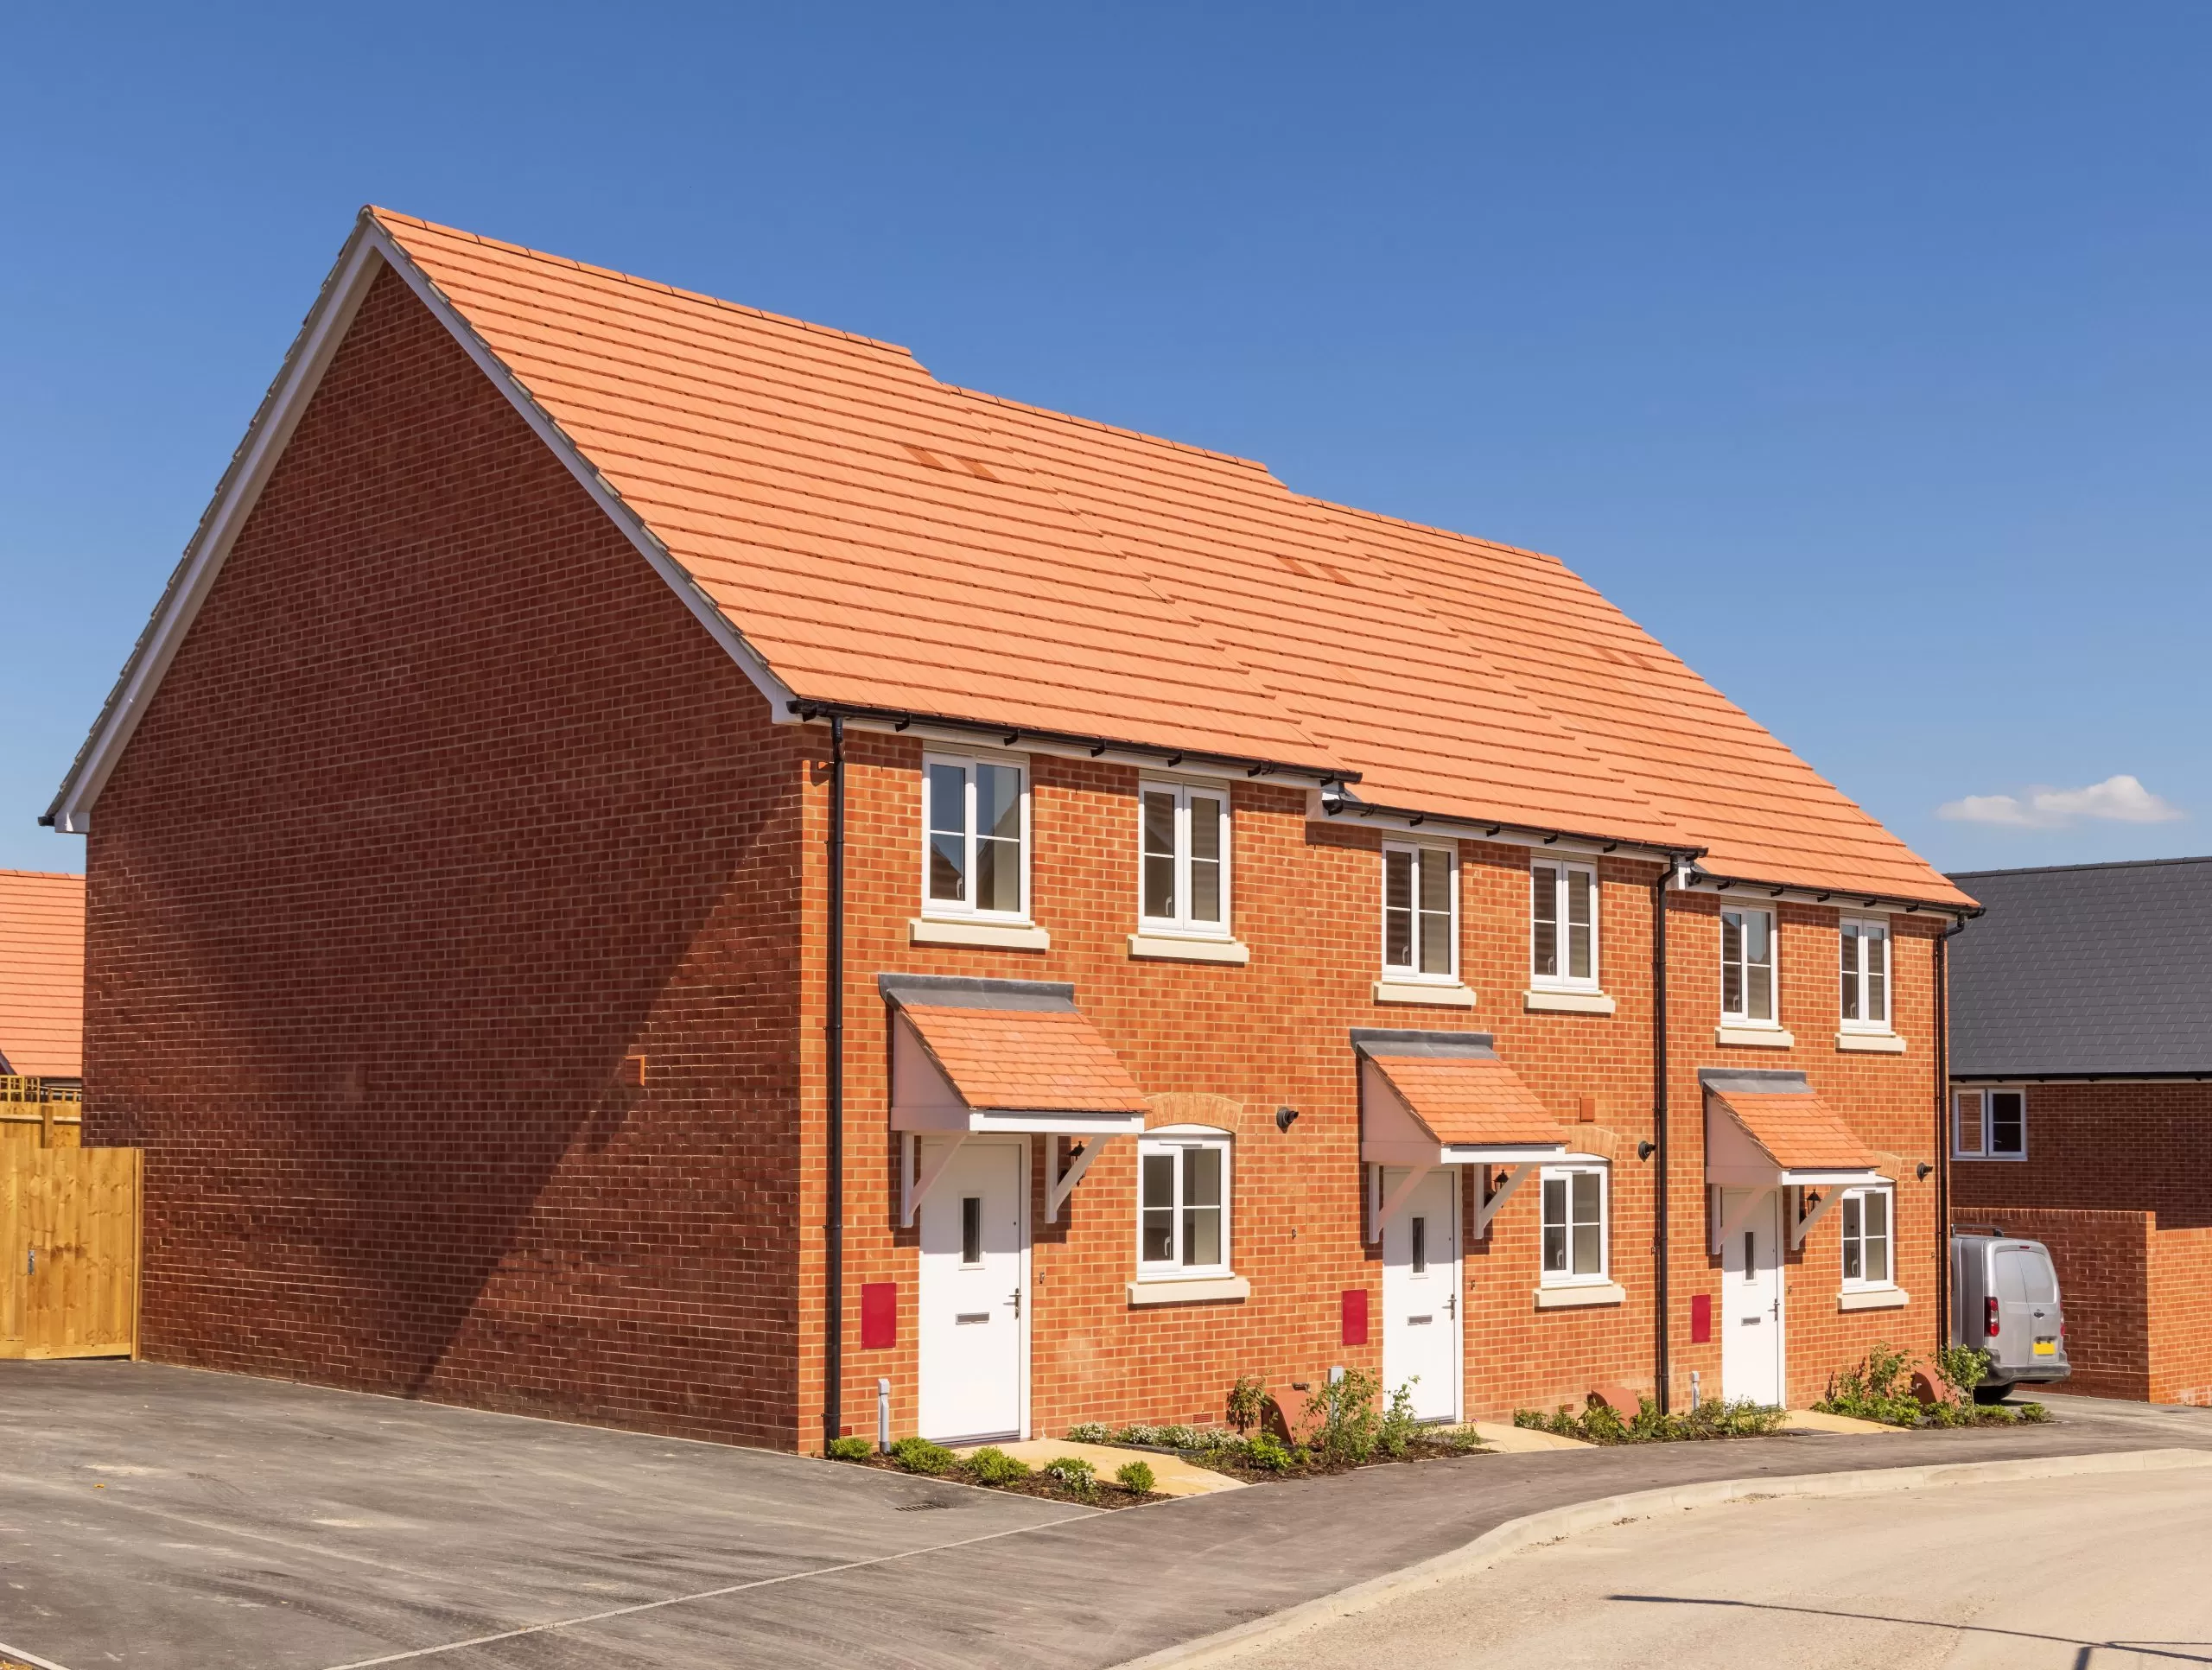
(2119, 799)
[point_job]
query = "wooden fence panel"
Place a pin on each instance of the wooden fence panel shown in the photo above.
(69, 1221)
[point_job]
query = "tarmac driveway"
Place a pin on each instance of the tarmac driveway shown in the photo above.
(152, 1515)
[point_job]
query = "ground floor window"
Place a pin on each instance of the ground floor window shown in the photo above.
(1574, 1224)
(1183, 1204)
(1866, 1237)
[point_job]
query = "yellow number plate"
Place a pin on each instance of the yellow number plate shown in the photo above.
(2046, 1347)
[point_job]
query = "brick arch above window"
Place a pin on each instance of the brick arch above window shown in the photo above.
(1197, 1108)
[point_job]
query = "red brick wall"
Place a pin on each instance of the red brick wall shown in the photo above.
(446, 806)
(2105, 1147)
(2181, 1314)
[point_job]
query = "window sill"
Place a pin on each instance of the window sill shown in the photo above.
(2003, 1160)
(1884, 1044)
(1438, 993)
(1571, 1296)
(1192, 947)
(1566, 1003)
(1189, 1290)
(1873, 1299)
(998, 936)
(1758, 1038)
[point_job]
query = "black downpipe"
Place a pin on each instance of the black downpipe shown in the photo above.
(1659, 1340)
(833, 1239)
(1943, 1134)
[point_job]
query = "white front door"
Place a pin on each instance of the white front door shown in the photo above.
(1421, 1294)
(1751, 1299)
(972, 1294)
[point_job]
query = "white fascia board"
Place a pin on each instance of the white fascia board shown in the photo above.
(1356, 816)
(367, 252)
(1695, 880)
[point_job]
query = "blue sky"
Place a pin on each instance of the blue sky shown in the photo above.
(1864, 354)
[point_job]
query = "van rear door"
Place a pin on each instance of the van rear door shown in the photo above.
(2027, 1308)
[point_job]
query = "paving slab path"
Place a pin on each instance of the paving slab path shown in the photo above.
(159, 1516)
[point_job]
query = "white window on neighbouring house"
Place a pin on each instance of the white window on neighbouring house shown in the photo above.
(1989, 1125)
(1183, 859)
(1865, 975)
(976, 848)
(1866, 1215)
(1563, 926)
(1747, 981)
(1420, 911)
(1183, 1203)
(1574, 1224)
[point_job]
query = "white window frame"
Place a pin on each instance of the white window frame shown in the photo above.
(1860, 1284)
(1888, 1022)
(1562, 891)
(1412, 971)
(1550, 1278)
(1183, 924)
(966, 910)
(1742, 1017)
(1982, 1093)
(1178, 1140)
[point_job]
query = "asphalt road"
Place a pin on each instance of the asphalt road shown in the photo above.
(151, 1515)
(2089, 1573)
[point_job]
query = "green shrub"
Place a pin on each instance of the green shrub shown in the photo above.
(1874, 1389)
(1962, 1368)
(1267, 1453)
(847, 1449)
(920, 1456)
(1136, 1475)
(1600, 1424)
(991, 1465)
(1170, 1438)
(1072, 1473)
(1248, 1402)
(1343, 1425)
(1090, 1432)
(1394, 1431)
(2033, 1412)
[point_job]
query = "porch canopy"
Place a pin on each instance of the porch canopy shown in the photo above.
(1431, 1099)
(1768, 1130)
(970, 1057)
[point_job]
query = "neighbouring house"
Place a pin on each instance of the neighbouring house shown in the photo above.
(2082, 1105)
(658, 864)
(42, 984)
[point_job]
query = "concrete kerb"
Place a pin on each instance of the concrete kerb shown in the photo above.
(1552, 1524)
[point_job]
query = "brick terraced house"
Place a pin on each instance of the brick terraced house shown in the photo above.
(41, 982)
(2082, 1106)
(657, 865)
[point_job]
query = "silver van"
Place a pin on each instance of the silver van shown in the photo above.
(2005, 1299)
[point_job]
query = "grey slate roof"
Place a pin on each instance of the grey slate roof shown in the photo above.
(2085, 969)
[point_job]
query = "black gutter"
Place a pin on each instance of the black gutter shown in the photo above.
(832, 1245)
(2184, 1076)
(1841, 899)
(1342, 804)
(1662, 1339)
(1011, 736)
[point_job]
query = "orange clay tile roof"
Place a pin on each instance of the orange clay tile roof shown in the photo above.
(1801, 1132)
(881, 539)
(42, 974)
(1044, 1061)
(1468, 1099)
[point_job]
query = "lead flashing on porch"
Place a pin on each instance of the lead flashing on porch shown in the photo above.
(970, 992)
(1372, 1041)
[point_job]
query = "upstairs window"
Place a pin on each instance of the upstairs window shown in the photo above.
(1865, 975)
(1747, 967)
(975, 861)
(1989, 1125)
(1183, 1205)
(1563, 926)
(1866, 1237)
(1421, 939)
(1183, 853)
(1574, 1224)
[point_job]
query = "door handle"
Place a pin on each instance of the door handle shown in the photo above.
(1015, 1299)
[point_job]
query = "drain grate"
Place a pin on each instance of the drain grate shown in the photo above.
(920, 1507)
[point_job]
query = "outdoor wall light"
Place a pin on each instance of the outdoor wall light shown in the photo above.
(1645, 1149)
(1922, 1171)
(1285, 1118)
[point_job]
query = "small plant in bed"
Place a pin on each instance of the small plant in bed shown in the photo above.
(1343, 1429)
(1879, 1388)
(1600, 1422)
